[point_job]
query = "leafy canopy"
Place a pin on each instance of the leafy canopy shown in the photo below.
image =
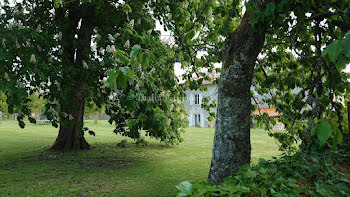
(53, 47)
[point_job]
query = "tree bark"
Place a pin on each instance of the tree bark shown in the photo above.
(232, 147)
(71, 135)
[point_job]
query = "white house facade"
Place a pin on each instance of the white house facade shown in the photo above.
(199, 117)
(196, 115)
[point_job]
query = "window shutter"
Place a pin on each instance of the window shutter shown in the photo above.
(190, 120)
(202, 120)
(191, 99)
(200, 99)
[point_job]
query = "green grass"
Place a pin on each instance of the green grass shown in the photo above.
(27, 168)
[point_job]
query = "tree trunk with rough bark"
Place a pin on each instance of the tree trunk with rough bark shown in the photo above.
(71, 134)
(232, 148)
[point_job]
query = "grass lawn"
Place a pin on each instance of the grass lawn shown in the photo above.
(27, 168)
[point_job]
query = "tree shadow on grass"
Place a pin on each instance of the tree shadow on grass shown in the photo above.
(100, 156)
(106, 168)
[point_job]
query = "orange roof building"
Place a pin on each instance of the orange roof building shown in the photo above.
(271, 112)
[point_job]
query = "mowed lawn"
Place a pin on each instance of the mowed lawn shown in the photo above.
(28, 168)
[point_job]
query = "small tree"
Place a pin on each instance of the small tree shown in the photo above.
(3, 105)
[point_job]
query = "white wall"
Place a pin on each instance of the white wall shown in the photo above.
(193, 109)
(212, 92)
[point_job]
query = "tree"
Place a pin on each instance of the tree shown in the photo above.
(37, 104)
(47, 48)
(232, 147)
(263, 22)
(91, 108)
(3, 105)
(261, 47)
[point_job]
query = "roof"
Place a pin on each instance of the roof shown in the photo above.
(271, 112)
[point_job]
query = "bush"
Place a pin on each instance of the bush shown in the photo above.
(312, 174)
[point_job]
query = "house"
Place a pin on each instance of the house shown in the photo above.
(196, 115)
(271, 112)
(199, 117)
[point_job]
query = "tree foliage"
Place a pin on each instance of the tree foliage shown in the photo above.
(300, 72)
(302, 68)
(65, 49)
(3, 105)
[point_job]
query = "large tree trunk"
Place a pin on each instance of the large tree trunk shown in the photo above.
(232, 147)
(71, 135)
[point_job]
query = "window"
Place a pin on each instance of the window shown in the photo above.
(196, 99)
(197, 119)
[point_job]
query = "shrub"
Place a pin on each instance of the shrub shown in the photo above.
(305, 173)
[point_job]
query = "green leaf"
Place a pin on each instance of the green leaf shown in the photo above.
(10, 108)
(342, 61)
(251, 174)
(333, 50)
(32, 120)
(189, 35)
(130, 73)
(229, 185)
(133, 123)
(111, 78)
(54, 124)
(337, 139)
(346, 45)
(124, 70)
(186, 188)
(270, 9)
(57, 3)
(127, 30)
(324, 132)
(126, 8)
(314, 130)
(152, 57)
(134, 51)
(121, 80)
(92, 133)
(21, 124)
(324, 189)
(145, 60)
(122, 57)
